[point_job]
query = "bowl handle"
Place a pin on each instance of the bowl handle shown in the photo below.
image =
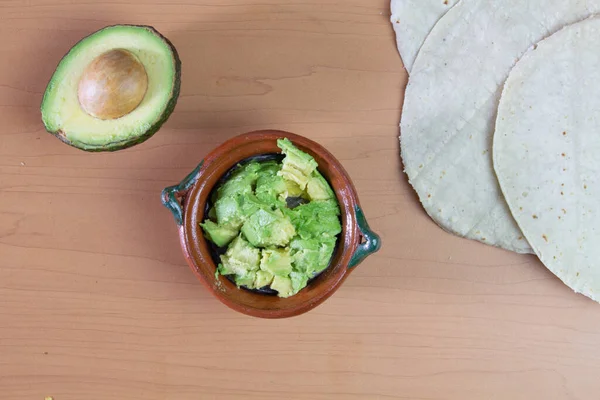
(371, 241)
(171, 196)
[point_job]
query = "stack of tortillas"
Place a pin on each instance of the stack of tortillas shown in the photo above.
(500, 131)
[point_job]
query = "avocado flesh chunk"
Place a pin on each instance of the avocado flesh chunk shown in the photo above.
(235, 201)
(283, 285)
(250, 204)
(318, 219)
(263, 279)
(64, 117)
(227, 211)
(317, 188)
(296, 242)
(292, 190)
(270, 186)
(299, 281)
(276, 261)
(240, 258)
(297, 165)
(267, 228)
(312, 256)
(221, 235)
(248, 280)
(240, 182)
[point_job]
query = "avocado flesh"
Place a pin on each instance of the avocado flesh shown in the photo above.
(240, 182)
(283, 285)
(221, 235)
(311, 256)
(276, 261)
(299, 281)
(318, 219)
(240, 258)
(248, 280)
(317, 188)
(263, 279)
(267, 228)
(227, 211)
(297, 165)
(270, 186)
(64, 117)
(296, 242)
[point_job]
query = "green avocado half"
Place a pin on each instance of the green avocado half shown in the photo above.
(63, 115)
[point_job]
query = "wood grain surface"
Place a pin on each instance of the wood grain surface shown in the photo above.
(96, 301)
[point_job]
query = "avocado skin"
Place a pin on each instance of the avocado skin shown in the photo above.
(124, 144)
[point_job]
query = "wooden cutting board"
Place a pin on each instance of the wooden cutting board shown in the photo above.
(96, 301)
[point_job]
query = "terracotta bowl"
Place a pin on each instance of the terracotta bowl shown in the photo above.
(187, 201)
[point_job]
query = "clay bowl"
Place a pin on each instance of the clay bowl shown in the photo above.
(187, 201)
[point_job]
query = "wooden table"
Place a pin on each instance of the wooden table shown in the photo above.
(96, 301)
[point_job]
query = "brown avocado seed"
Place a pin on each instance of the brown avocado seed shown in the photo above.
(112, 85)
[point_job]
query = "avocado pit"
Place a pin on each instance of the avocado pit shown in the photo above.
(112, 85)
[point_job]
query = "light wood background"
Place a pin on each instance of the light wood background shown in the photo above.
(96, 301)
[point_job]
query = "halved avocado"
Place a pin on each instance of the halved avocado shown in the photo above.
(100, 99)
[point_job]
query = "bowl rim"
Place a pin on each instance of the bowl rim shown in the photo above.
(199, 258)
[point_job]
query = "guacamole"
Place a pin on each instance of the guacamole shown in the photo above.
(278, 222)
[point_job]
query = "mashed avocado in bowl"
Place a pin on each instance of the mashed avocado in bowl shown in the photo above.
(274, 223)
